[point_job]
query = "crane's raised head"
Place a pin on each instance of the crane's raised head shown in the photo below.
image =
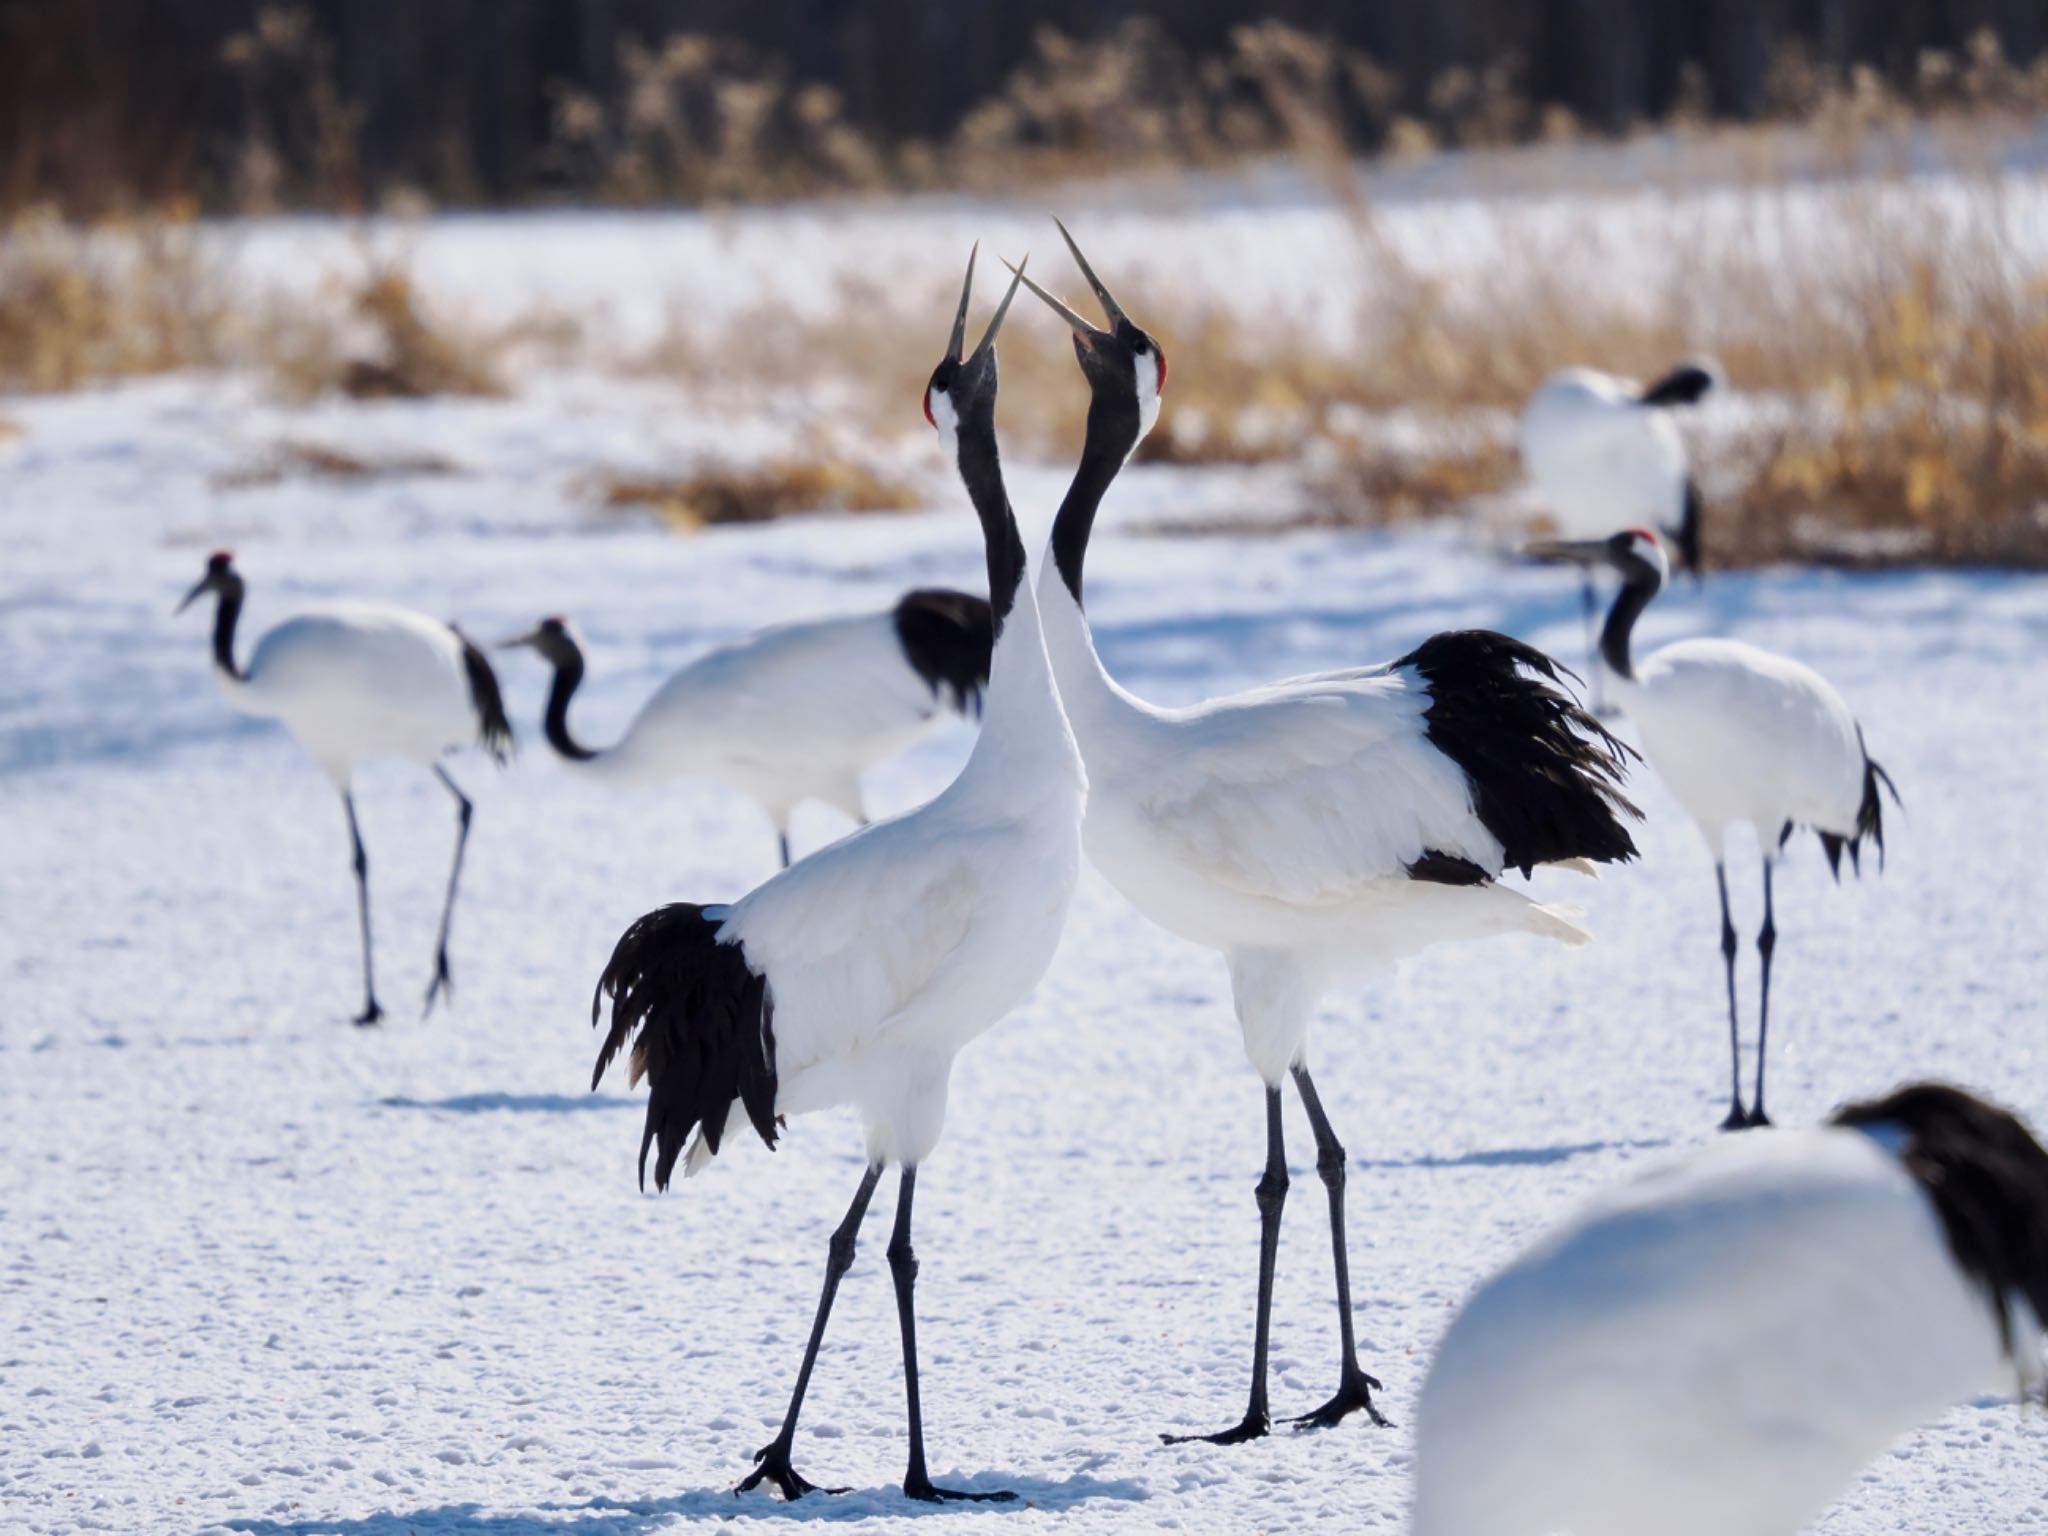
(964, 383)
(552, 637)
(1122, 361)
(221, 576)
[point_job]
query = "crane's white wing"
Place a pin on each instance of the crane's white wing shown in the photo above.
(1600, 459)
(1304, 790)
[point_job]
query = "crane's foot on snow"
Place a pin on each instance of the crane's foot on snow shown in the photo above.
(371, 1014)
(922, 1487)
(774, 1468)
(1256, 1426)
(1756, 1119)
(1737, 1119)
(1354, 1394)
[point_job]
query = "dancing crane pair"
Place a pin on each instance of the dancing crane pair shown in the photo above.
(1312, 831)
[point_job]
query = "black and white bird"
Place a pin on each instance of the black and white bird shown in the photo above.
(1605, 455)
(356, 679)
(793, 712)
(1720, 1346)
(856, 976)
(1315, 830)
(1743, 737)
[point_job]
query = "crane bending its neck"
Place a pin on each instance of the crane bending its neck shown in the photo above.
(1114, 426)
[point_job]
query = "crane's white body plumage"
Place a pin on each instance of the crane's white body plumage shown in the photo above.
(353, 680)
(793, 712)
(1277, 825)
(1713, 1349)
(1742, 735)
(890, 950)
(1599, 458)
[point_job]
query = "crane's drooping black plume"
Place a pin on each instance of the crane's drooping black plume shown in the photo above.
(494, 731)
(1545, 775)
(701, 1025)
(948, 638)
(1869, 819)
(1987, 1176)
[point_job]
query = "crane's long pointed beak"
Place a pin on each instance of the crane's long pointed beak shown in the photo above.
(514, 642)
(988, 337)
(1080, 327)
(957, 346)
(1572, 551)
(199, 591)
(1110, 307)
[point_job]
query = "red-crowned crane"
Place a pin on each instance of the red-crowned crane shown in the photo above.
(793, 712)
(1720, 1345)
(1605, 455)
(1742, 736)
(355, 679)
(1315, 830)
(857, 975)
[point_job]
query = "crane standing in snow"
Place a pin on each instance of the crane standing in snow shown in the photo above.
(1742, 736)
(1317, 829)
(1720, 1345)
(356, 679)
(1605, 455)
(856, 976)
(794, 712)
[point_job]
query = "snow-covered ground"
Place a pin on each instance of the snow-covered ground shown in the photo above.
(264, 1272)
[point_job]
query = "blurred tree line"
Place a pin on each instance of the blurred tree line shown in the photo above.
(235, 103)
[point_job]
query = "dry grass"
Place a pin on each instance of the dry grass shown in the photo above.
(135, 297)
(378, 343)
(754, 493)
(296, 460)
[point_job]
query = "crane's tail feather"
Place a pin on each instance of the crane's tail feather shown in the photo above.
(1545, 774)
(1986, 1175)
(1683, 385)
(493, 729)
(948, 638)
(700, 1024)
(1869, 819)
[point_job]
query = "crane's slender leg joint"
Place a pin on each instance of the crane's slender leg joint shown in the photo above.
(1271, 1191)
(782, 841)
(773, 1458)
(463, 811)
(371, 1012)
(1354, 1387)
(1737, 1116)
(1766, 941)
(917, 1482)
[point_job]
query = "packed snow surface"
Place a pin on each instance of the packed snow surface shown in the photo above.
(263, 1272)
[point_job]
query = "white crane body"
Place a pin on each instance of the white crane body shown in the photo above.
(1601, 459)
(1716, 1348)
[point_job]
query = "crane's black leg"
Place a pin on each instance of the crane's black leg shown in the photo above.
(463, 809)
(917, 1482)
(782, 840)
(773, 1458)
(1737, 1116)
(1589, 606)
(371, 1012)
(1766, 941)
(1272, 1195)
(1354, 1387)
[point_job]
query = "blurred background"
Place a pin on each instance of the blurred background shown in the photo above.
(1369, 230)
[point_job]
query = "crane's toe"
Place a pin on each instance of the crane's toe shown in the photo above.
(924, 1488)
(1256, 1426)
(1355, 1394)
(371, 1014)
(774, 1468)
(443, 983)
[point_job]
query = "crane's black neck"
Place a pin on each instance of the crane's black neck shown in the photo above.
(568, 662)
(1629, 603)
(1112, 434)
(226, 614)
(981, 470)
